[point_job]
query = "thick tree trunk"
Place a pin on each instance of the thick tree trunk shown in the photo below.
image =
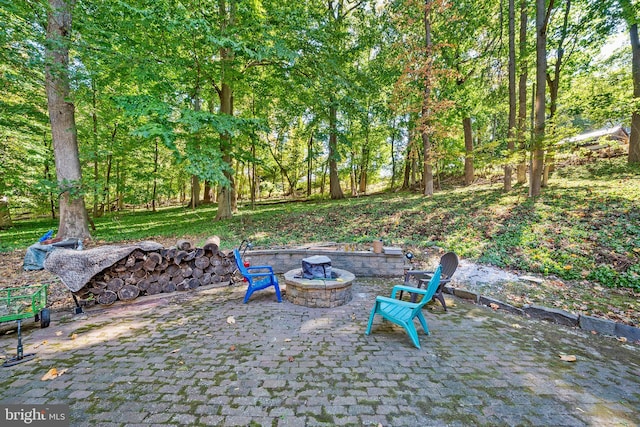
(540, 105)
(634, 138)
(512, 93)
(554, 86)
(47, 176)
(74, 221)
(334, 180)
(225, 195)
(195, 192)
(206, 198)
(468, 148)
(522, 96)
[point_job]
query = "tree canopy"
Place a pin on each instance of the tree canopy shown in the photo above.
(222, 100)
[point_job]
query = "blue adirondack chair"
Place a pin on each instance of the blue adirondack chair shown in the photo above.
(401, 312)
(258, 277)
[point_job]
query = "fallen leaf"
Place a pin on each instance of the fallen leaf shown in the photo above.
(291, 359)
(74, 336)
(231, 320)
(568, 358)
(232, 348)
(52, 374)
(494, 306)
(58, 333)
(516, 326)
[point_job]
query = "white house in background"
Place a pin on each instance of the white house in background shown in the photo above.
(594, 140)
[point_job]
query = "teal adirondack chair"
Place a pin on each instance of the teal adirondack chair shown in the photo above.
(258, 277)
(401, 312)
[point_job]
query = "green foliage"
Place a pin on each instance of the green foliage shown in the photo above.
(585, 227)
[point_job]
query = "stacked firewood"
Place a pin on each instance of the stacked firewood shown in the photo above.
(178, 268)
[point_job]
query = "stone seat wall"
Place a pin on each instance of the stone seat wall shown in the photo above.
(360, 263)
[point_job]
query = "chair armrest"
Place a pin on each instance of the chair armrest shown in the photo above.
(417, 273)
(252, 275)
(260, 267)
(442, 281)
(396, 302)
(397, 288)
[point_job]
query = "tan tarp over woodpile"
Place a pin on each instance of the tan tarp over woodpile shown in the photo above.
(76, 268)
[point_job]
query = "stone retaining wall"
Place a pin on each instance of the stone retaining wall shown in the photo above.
(360, 263)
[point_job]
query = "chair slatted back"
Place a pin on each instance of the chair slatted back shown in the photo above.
(449, 263)
(431, 288)
(239, 263)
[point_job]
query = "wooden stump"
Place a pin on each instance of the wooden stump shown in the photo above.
(128, 292)
(107, 297)
(212, 244)
(184, 245)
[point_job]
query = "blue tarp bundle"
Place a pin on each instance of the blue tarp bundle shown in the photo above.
(38, 252)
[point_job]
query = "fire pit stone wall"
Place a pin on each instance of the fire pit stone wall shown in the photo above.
(390, 263)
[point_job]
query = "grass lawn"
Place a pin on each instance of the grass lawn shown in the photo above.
(584, 229)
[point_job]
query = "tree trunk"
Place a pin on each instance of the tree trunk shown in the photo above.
(406, 182)
(468, 148)
(94, 135)
(393, 157)
(634, 138)
(540, 105)
(309, 164)
(522, 95)
(74, 221)
(120, 179)
(47, 176)
(154, 193)
(225, 208)
(427, 180)
(226, 193)
(106, 194)
(364, 168)
(512, 93)
(334, 179)
(554, 86)
(352, 174)
(207, 192)
(5, 215)
(195, 192)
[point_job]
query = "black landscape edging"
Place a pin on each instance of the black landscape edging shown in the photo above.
(554, 315)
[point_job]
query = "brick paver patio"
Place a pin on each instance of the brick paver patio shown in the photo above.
(181, 360)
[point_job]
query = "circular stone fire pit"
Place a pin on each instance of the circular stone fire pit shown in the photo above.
(319, 292)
